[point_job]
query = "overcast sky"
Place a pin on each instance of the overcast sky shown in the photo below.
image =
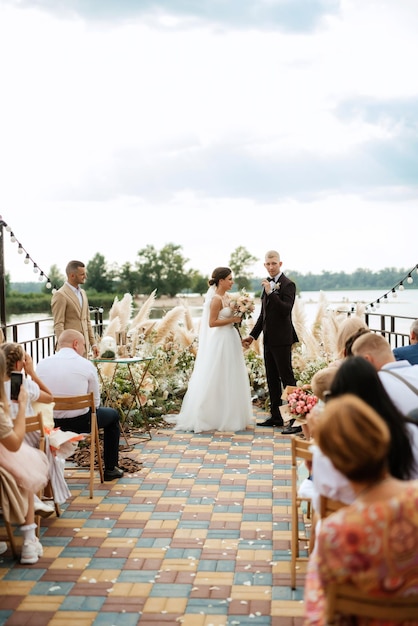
(210, 124)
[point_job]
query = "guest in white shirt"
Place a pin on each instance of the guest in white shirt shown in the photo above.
(399, 378)
(68, 373)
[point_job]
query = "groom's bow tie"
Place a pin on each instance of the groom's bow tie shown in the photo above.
(271, 279)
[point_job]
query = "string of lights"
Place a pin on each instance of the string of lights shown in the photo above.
(27, 259)
(399, 285)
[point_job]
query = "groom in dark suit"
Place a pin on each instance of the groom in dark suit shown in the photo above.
(275, 320)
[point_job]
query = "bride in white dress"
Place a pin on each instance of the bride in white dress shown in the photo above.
(218, 395)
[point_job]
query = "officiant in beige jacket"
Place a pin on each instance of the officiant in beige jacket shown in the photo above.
(70, 306)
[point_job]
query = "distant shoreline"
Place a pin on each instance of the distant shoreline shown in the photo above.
(169, 303)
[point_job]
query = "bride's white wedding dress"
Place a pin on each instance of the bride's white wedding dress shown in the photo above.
(218, 396)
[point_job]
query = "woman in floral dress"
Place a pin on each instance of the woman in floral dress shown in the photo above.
(373, 542)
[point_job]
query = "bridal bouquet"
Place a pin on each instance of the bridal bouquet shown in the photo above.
(242, 304)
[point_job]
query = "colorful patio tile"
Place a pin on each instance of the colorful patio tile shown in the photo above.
(200, 536)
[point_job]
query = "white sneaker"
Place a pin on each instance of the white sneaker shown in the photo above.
(43, 508)
(31, 551)
(3, 547)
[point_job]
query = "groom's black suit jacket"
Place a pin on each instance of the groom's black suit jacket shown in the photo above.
(275, 319)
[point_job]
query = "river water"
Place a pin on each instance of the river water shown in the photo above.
(404, 304)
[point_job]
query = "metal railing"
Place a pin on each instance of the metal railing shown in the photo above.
(38, 345)
(395, 328)
(37, 337)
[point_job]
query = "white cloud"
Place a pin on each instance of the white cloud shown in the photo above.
(166, 127)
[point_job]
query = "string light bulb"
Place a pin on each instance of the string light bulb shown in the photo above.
(22, 250)
(409, 279)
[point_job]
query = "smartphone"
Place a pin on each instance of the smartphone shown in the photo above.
(16, 379)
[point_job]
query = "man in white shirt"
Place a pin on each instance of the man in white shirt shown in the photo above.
(397, 376)
(68, 373)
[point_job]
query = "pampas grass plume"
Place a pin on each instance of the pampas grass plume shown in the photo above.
(169, 323)
(113, 328)
(144, 311)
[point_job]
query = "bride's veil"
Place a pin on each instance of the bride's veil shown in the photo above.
(204, 330)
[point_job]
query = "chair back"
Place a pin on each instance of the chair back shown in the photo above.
(34, 423)
(72, 403)
(328, 506)
(346, 599)
(85, 401)
(300, 450)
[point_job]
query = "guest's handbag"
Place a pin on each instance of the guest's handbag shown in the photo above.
(29, 466)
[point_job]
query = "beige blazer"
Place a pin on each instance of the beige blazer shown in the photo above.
(68, 313)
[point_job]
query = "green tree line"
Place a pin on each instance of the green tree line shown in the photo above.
(165, 270)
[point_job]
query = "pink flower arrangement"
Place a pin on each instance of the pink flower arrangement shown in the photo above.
(301, 402)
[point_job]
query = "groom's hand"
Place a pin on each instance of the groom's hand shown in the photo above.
(266, 286)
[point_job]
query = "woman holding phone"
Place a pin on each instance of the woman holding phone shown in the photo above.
(20, 464)
(19, 362)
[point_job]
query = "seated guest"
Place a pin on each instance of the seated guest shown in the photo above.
(349, 327)
(26, 467)
(18, 360)
(409, 353)
(320, 385)
(359, 544)
(68, 373)
(399, 378)
(358, 377)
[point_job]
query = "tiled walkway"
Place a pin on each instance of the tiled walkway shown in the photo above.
(200, 536)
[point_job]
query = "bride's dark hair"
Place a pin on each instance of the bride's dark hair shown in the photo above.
(219, 273)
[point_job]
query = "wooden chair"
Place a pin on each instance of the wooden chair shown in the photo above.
(328, 506)
(346, 599)
(8, 485)
(71, 403)
(34, 423)
(300, 452)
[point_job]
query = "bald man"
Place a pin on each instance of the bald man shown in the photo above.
(68, 373)
(396, 376)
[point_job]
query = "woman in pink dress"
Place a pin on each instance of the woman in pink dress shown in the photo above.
(18, 360)
(27, 466)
